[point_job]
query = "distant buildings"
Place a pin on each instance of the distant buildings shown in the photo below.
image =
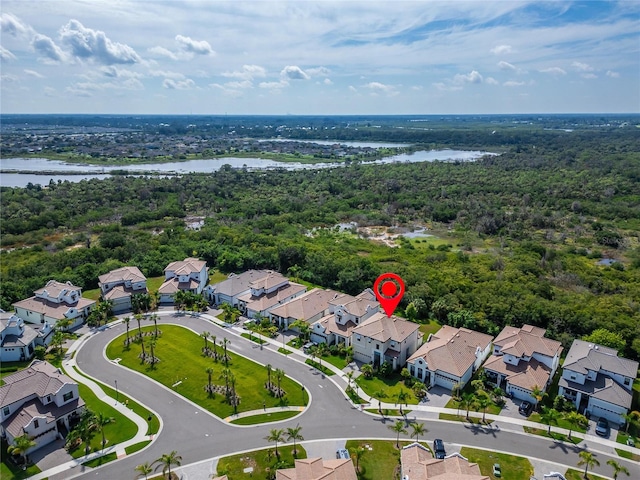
(118, 286)
(236, 285)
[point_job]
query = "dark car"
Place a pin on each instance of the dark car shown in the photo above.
(525, 408)
(602, 427)
(438, 449)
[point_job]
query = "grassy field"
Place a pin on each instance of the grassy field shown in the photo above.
(544, 432)
(9, 471)
(322, 367)
(261, 461)
(183, 369)
(511, 465)
(427, 328)
(381, 458)
(335, 360)
(562, 423)
(265, 418)
(215, 276)
(454, 404)
(463, 418)
(385, 389)
(573, 474)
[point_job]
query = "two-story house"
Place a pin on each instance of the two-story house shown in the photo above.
(268, 292)
(381, 339)
(19, 340)
(188, 275)
(309, 307)
(523, 359)
(598, 381)
(417, 463)
(236, 285)
(54, 302)
(119, 285)
(450, 357)
(345, 313)
(40, 402)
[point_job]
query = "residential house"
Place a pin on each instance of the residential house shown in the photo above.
(382, 339)
(18, 340)
(266, 293)
(310, 307)
(345, 313)
(417, 463)
(450, 357)
(319, 469)
(54, 302)
(598, 381)
(236, 285)
(188, 275)
(40, 402)
(119, 285)
(523, 358)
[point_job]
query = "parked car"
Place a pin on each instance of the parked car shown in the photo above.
(602, 427)
(525, 408)
(307, 346)
(343, 453)
(438, 448)
(497, 472)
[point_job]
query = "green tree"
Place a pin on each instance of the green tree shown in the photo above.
(574, 418)
(303, 327)
(20, 446)
(617, 468)
(205, 336)
(276, 435)
(166, 461)
(418, 429)
(358, 453)
(403, 397)
(550, 416)
(57, 340)
(269, 370)
(126, 321)
(209, 371)
(483, 402)
(293, 433)
(144, 470)
(538, 394)
(398, 428)
(100, 422)
(411, 312)
(468, 400)
(587, 459)
(279, 377)
(367, 370)
(602, 336)
(224, 343)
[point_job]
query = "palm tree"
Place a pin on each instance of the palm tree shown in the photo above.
(224, 345)
(209, 371)
(483, 402)
(152, 343)
(418, 429)
(574, 419)
(226, 375)
(215, 347)
(126, 323)
(144, 470)
(588, 460)
(549, 416)
(100, 421)
(20, 446)
(320, 351)
(617, 468)
(205, 336)
(57, 340)
(154, 317)
(398, 427)
(630, 418)
(166, 461)
(358, 453)
(403, 397)
(468, 399)
(275, 435)
(269, 369)
(538, 394)
(279, 376)
(179, 299)
(138, 318)
(293, 433)
(86, 429)
(367, 370)
(349, 376)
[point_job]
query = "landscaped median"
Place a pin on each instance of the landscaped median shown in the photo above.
(182, 367)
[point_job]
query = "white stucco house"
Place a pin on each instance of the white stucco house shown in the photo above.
(523, 358)
(450, 357)
(120, 284)
(189, 275)
(309, 307)
(54, 302)
(598, 381)
(268, 292)
(236, 285)
(40, 402)
(417, 463)
(18, 340)
(345, 313)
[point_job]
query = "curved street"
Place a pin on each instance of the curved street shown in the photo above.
(198, 436)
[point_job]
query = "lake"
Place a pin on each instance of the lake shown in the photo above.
(15, 169)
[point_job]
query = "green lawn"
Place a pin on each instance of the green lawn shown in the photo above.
(511, 465)
(385, 389)
(183, 369)
(254, 338)
(259, 460)
(427, 328)
(96, 462)
(493, 408)
(7, 368)
(93, 294)
(153, 283)
(322, 368)
(380, 460)
(216, 277)
(543, 432)
(562, 423)
(573, 474)
(463, 418)
(9, 471)
(136, 447)
(335, 360)
(265, 418)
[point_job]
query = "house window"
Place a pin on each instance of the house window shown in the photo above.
(377, 346)
(67, 396)
(573, 377)
(627, 381)
(6, 411)
(36, 424)
(48, 398)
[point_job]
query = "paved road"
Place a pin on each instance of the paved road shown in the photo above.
(197, 435)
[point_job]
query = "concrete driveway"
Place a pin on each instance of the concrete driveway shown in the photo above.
(437, 397)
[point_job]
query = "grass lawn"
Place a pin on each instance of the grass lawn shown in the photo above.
(322, 368)
(215, 276)
(628, 455)
(183, 369)
(511, 465)
(254, 338)
(556, 436)
(380, 460)
(427, 328)
(153, 283)
(385, 389)
(93, 294)
(492, 408)
(9, 471)
(260, 460)
(7, 368)
(335, 360)
(562, 423)
(285, 351)
(96, 462)
(137, 447)
(265, 418)
(388, 412)
(463, 418)
(573, 474)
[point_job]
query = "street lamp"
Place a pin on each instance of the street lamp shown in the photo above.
(117, 394)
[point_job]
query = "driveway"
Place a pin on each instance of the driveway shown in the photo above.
(437, 397)
(510, 408)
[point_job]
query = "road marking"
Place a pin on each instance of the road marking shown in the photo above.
(320, 386)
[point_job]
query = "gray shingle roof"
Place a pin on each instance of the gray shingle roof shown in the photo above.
(585, 356)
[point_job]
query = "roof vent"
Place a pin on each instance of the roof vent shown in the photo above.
(596, 347)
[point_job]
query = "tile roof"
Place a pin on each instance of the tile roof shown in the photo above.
(264, 302)
(52, 309)
(307, 305)
(383, 328)
(602, 388)
(186, 266)
(319, 469)
(40, 378)
(35, 408)
(118, 292)
(122, 274)
(172, 285)
(357, 305)
(584, 356)
(525, 375)
(331, 326)
(418, 464)
(452, 350)
(271, 280)
(54, 288)
(238, 283)
(526, 341)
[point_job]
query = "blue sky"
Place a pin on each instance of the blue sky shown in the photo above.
(319, 57)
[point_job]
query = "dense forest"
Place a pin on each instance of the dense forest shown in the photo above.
(521, 235)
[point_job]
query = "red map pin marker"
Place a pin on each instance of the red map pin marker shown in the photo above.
(389, 289)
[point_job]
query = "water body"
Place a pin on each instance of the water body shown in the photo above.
(15, 169)
(340, 142)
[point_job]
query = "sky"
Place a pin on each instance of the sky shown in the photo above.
(319, 57)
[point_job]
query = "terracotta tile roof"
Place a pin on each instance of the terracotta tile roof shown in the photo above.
(238, 283)
(264, 302)
(186, 266)
(526, 341)
(525, 375)
(383, 328)
(584, 356)
(452, 350)
(52, 309)
(319, 469)
(172, 285)
(122, 274)
(269, 281)
(54, 288)
(118, 292)
(330, 326)
(40, 378)
(307, 305)
(418, 464)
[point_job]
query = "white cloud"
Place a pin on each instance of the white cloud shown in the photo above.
(612, 74)
(444, 87)
(33, 73)
(6, 55)
(239, 85)
(472, 77)
(554, 71)
(171, 84)
(248, 72)
(50, 92)
(128, 84)
(582, 67)
(274, 85)
(12, 25)
(512, 83)
(293, 72)
(491, 81)
(89, 44)
(198, 47)
(162, 52)
(115, 72)
(353, 89)
(47, 48)
(589, 76)
(380, 88)
(166, 74)
(506, 66)
(327, 81)
(318, 71)
(501, 49)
